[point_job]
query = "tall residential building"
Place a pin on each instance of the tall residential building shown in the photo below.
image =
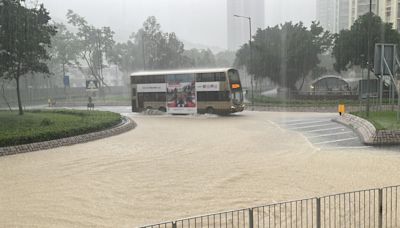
(343, 11)
(238, 28)
(389, 12)
(361, 7)
(326, 10)
(333, 15)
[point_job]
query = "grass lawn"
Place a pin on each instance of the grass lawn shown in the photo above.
(274, 101)
(99, 99)
(41, 125)
(385, 120)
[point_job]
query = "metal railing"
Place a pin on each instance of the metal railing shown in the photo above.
(378, 207)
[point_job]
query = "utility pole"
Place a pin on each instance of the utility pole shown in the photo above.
(369, 57)
(251, 60)
(144, 59)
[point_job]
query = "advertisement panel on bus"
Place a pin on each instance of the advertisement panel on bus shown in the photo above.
(181, 94)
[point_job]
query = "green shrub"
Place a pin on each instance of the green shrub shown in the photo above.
(46, 122)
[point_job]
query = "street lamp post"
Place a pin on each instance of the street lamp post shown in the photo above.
(251, 59)
(369, 56)
(143, 56)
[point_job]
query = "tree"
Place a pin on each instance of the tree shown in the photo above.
(161, 50)
(318, 71)
(150, 49)
(64, 49)
(225, 58)
(25, 35)
(285, 53)
(94, 45)
(351, 46)
(200, 58)
(127, 56)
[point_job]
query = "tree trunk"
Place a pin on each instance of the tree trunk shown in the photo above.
(302, 83)
(65, 87)
(3, 93)
(21, 111)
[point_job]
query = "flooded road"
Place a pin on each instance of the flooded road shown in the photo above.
(176, 166)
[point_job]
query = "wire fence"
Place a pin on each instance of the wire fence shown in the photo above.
(366, 208)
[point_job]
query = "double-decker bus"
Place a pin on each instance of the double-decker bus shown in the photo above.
(216, 91)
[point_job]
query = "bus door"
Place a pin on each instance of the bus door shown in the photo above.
(140, 100)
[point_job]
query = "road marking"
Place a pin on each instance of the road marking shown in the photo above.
(302, 123)
(347, 147)
(329, 129)
(292, 121)
(333, 141)
(340, 133)
(311, 126)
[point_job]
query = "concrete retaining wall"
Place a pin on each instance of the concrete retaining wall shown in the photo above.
(368, 133)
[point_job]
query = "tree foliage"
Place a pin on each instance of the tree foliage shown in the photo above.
(225, 58)
(150, 49)
(351, 46)
(25, 35)
(64, 50)
(94, 45)
(284, 53)
(200, 58)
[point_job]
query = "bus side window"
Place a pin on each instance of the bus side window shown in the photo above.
(220, 77)
(159, 79)
(199, 77)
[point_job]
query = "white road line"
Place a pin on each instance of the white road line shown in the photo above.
(333, 141)
(340, 133)
(329, 129)
(302, 123)
(346, 147)
(292, 121)
(311, 126)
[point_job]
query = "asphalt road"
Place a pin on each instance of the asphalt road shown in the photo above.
(170, 167)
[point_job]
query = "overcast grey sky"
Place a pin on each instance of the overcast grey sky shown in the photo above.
(197, 21)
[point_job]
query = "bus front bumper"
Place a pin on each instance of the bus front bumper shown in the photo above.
(237, 108)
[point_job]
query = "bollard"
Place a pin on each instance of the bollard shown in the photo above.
(341, 109)
(251, 225)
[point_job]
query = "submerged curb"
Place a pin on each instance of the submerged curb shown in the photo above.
(367, 131)
(127, 124)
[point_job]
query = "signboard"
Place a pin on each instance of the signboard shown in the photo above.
(363, 88)
(181, 94)
(384, 52)
(92, 85)
(207, 86)
(66, 81)
(152, 88)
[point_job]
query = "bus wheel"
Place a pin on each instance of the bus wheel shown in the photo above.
(162, 109)
(210, 110)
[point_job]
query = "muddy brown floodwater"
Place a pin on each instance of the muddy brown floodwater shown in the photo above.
(177, 166)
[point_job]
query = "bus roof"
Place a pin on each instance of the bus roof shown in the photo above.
(187, 71)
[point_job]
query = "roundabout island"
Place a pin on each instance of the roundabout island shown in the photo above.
(46, 129)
